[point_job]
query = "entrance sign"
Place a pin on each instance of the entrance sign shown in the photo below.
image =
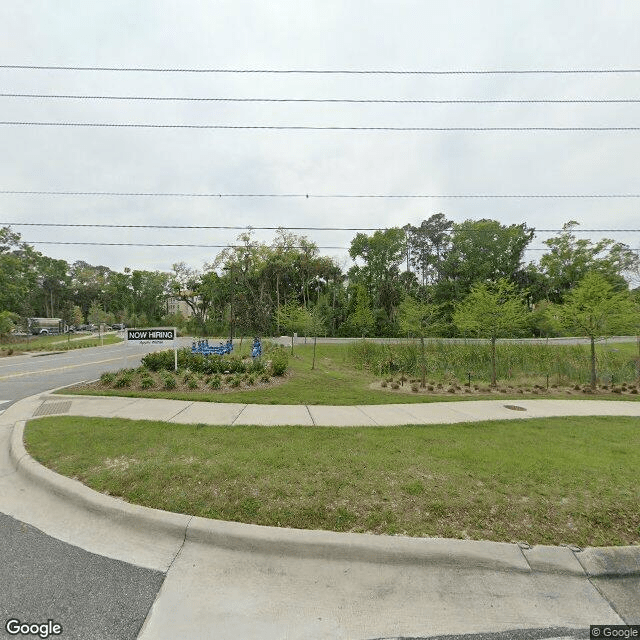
(155, 335)
(151, 336)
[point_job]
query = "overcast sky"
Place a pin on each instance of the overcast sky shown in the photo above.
(411, 35)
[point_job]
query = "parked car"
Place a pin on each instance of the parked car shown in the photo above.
(118, 326)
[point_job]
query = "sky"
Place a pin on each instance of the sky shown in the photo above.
(329, 35)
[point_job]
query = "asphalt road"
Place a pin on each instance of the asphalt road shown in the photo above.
(89, 596)
(41, 578)
(26, 375)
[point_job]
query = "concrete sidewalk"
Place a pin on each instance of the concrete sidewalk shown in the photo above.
(235, 414)
(229, 580)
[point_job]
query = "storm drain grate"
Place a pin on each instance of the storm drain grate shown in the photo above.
(514, 407)
(51, 408)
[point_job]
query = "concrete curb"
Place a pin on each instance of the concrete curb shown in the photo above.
(329, 545)
(155, 520)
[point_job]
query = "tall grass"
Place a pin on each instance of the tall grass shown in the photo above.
(564, 364)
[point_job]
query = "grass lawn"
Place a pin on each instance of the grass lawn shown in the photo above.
(55, 343)
(334, 381)
(544, 481)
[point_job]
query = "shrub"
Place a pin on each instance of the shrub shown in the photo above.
(236, 381)
(215, 382)
(192, 384)
(414, 388)
(147, 382)
(169, 381)
(107, 378)
(124, 380)
(383, 384)
(265, 377)
(279, 362)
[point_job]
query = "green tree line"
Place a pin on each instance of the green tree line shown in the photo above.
(287, 286)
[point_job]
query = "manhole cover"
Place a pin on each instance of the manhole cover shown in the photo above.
(514, 407)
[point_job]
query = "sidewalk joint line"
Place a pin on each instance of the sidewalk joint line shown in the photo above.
(366, 415)
(189, 404)
(239, 414)
(313, 422)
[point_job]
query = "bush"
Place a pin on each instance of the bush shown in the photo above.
(147, 382)
(215, 382)
(169, 381)
(124, 380)
(107, 378)
(236, 381)
(279, 362)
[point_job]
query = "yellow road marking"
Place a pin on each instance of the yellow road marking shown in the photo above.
(70, 366)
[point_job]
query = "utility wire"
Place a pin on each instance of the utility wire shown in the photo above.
(146, 244)
(206, 246)
(131, 125)
(330, 100)
(251, 227)
(426, 72)
(309, 195)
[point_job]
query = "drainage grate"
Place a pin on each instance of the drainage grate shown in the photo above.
(51, 408)
(514, 407)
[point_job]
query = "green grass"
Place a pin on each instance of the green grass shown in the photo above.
(336, 380)
(544, 481)
(56, 343)
(515, 362)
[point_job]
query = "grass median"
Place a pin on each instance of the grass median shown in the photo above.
(544, 481)
(338, 380)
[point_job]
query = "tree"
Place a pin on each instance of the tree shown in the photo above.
(314, 324)
(8, 322)
(292, 317)
(570, 259)
(362, 318)
(596, 310)
(75, 317)
(382, 254)
(492, 310)
(18, 273)
(97, 315)
(421, 319)
(484, 250)
(428, 246)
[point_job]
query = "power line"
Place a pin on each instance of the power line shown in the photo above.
(146, 244)
(314, 195)
(252, 227)
(328, 100)
(426, 72)
(132, 125)
(206, 246)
